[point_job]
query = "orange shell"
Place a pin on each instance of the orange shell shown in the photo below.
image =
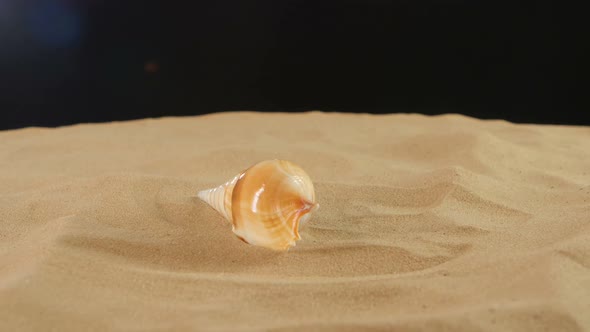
(266, 203)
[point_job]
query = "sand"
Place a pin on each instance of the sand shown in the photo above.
(425, 223)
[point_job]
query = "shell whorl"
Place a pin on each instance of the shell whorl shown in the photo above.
(266, 203)
(220, 197)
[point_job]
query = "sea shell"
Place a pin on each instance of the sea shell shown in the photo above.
(266, 204)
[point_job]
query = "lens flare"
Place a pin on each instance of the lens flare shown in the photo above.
(54, 24)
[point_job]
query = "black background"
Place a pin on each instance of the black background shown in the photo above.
(64, 62)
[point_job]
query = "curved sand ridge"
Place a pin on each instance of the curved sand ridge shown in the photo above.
(425, 223)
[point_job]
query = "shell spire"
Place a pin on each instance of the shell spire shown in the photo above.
(266, 204)
(220, 197)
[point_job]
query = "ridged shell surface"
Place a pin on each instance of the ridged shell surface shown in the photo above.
(266, 204)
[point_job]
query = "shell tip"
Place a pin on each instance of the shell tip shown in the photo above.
(202, 195)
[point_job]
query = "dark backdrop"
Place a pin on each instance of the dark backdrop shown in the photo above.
(71, 61)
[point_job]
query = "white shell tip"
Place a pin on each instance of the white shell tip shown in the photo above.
(203, 195)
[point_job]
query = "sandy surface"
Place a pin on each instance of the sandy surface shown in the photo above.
(426, 223)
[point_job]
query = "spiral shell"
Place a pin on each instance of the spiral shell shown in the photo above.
(266, 204)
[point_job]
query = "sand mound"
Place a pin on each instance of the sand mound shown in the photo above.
(426, 223)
